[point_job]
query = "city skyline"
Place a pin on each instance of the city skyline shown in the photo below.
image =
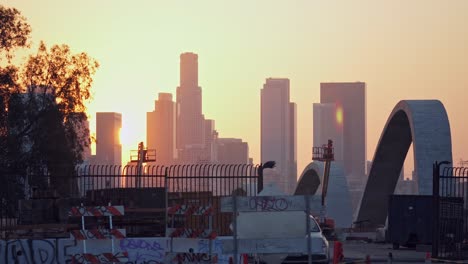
(179, 132)
(414, 52)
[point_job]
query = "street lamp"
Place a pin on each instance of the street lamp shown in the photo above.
(267, 165)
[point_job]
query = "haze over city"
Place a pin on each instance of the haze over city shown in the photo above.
(400, 49)
(216, 131)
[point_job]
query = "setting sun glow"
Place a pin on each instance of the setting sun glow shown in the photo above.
(410, 50)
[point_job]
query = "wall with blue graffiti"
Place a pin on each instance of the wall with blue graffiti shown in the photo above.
(128, 250)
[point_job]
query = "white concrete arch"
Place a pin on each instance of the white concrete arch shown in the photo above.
(338, 201)
(421, 122)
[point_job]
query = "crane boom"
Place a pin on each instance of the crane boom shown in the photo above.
(326, 155)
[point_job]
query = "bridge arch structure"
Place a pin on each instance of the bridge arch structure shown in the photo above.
(421, 122)
(338, 201)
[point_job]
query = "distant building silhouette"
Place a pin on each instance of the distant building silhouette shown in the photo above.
(351, 98)
(193, 153)
(179, 131)
(108, 146)
(211, 136)
(278, 132)
(196, 136)
(233, 151)
(190, 120)
(160, 129)
(189, 70)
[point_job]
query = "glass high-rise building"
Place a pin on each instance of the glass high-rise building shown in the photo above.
(190, 123)
(350, 98)
(160, 129)
(278, 132)
(328, 124)
(108, 146)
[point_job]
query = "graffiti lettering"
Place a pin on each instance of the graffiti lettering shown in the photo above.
(141, 250)
(28, 251)
(268, 204)
(126, 244)
(192, 257)
(216, 250)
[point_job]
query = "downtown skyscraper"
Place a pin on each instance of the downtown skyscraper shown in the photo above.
(195, 135)
(328, 124)
(349, 99)
(160, 129)
(108, 146)
(278, 132)
(189, 116)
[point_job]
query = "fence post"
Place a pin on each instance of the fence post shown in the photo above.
(435, 209)
(309, 242)
(234, 227)
(436, 206)
(166, 197)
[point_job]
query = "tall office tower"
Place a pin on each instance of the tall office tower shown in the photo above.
(278, 132)
(232, 151)
(189, 121)
(211, 136)
(108, 147)
(328, 124)
(293, 149)
(351, 98)
(160, 129)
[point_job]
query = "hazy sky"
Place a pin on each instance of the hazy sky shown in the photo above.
(402, 49)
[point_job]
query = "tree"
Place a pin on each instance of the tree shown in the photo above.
(14, 34)
(14, 31)
(42, 106)
(67, 78)
(47, 119)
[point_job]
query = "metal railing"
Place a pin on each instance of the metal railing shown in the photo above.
(146, 191)
(450, 194)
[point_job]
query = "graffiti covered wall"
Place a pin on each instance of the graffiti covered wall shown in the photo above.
(138, 251)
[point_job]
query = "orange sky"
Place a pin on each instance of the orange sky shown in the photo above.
(402, 49)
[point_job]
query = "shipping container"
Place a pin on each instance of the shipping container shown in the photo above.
(409, 220)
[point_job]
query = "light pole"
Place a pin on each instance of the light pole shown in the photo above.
(267, 165)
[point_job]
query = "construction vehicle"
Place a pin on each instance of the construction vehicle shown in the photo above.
(325, 154)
